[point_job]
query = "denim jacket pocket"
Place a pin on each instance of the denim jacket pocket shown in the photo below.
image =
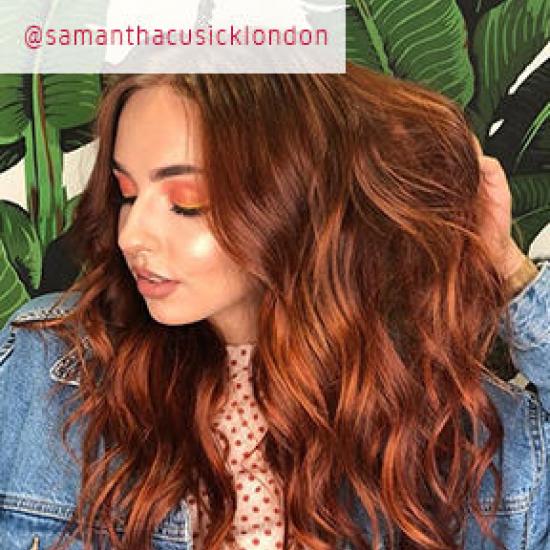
(28, 523)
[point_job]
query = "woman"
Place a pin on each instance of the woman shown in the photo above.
(290, 285)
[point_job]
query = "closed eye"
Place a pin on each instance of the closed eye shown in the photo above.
(180, 194)
(186, 211)
(177, 209)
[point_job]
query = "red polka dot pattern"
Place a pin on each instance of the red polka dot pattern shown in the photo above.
(258, 519)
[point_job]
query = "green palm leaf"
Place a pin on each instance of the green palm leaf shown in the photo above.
(14, 106)
(364, 43)
(70, 100)
(21, 244)
(537, 156)
(13, 293)
(37, 114)
(70, 208)
(423, 41)
(532, 131)
(531, 206)
(505, 41)
(11, 154)
(525, 114)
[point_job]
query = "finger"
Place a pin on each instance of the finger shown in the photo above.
(477, 146)
(489, 165)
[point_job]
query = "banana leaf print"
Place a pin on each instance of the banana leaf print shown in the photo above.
(20, 258)
(505, 40)
(41, 118)
(423, 41)
(39, 115)
(523, 141)
(531, 206)
(522, 138)
(14, 294)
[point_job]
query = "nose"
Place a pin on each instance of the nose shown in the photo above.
(138, 225)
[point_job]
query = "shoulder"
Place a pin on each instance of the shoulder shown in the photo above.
(29, 361)
(521, 413)
(523, 455)
(34, 352)
(507, 397)
(47, 306)
(38, 478)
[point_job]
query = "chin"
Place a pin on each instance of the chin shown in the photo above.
(171, 316)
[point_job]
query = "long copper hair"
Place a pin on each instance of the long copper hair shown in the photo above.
(353, 200)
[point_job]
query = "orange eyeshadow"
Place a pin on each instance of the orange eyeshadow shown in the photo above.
(185, 193)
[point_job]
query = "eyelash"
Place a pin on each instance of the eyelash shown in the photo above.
(180, 210)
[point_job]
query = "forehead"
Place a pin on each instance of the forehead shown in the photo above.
(157, 127)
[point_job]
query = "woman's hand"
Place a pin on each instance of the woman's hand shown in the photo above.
(496, 224)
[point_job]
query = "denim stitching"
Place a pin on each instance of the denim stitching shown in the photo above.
(175, 528)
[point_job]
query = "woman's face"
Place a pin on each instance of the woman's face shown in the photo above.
(179, 268)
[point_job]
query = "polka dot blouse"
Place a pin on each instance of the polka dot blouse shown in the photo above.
(259, 514)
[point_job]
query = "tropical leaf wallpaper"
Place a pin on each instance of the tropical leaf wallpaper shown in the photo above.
(42, 118)
(492, 57)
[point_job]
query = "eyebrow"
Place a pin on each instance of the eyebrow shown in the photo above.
(162, 172)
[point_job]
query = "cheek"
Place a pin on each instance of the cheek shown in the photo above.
(203, 254)
(203, 247)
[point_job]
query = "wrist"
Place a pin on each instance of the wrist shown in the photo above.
(523, 274)
(512, 259)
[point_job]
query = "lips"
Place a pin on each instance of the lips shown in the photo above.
(153, 285)
(140, 273)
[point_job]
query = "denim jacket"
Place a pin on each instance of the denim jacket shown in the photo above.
(39, 482)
